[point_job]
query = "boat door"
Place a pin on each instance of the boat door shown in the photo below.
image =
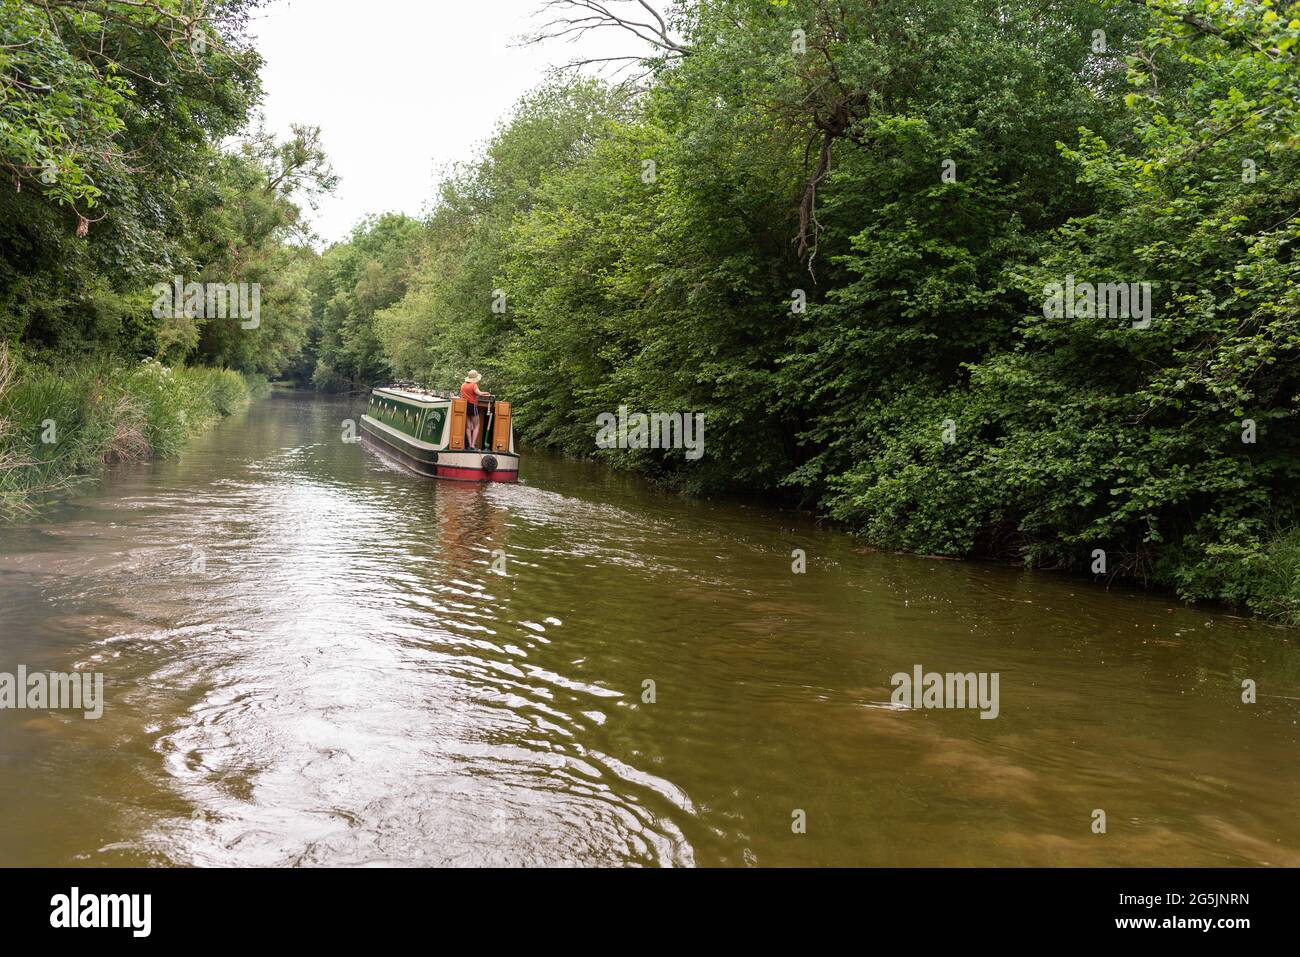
(501, 428)
(458, 414)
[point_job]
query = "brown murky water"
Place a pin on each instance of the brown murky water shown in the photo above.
(309, 659)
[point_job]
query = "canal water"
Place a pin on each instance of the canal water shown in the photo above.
(312, 658)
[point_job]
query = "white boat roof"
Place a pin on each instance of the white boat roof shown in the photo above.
(419, 396)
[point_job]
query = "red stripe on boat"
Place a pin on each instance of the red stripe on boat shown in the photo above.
(477, 475)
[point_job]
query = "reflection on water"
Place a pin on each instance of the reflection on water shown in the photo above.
(311, 658)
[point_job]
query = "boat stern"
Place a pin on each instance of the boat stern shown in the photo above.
(473, 466)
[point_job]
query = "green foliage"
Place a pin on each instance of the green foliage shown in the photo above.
(248, 229)
(59, 114)
(350, 284)
(1081, 432)
(108, 112)
(112, 117)
(447, 323)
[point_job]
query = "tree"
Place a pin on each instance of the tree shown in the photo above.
(107, 110)
(349, 284)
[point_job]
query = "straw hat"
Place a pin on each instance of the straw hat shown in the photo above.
(473, 376)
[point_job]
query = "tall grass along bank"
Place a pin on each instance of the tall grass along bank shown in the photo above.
(61, 422)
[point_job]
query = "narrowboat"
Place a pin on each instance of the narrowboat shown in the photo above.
(424, 430)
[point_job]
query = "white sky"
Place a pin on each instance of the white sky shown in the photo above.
(401, 88)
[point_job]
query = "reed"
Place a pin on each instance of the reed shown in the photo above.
(61, 422)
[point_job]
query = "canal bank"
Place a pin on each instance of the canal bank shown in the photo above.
(62, 423)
